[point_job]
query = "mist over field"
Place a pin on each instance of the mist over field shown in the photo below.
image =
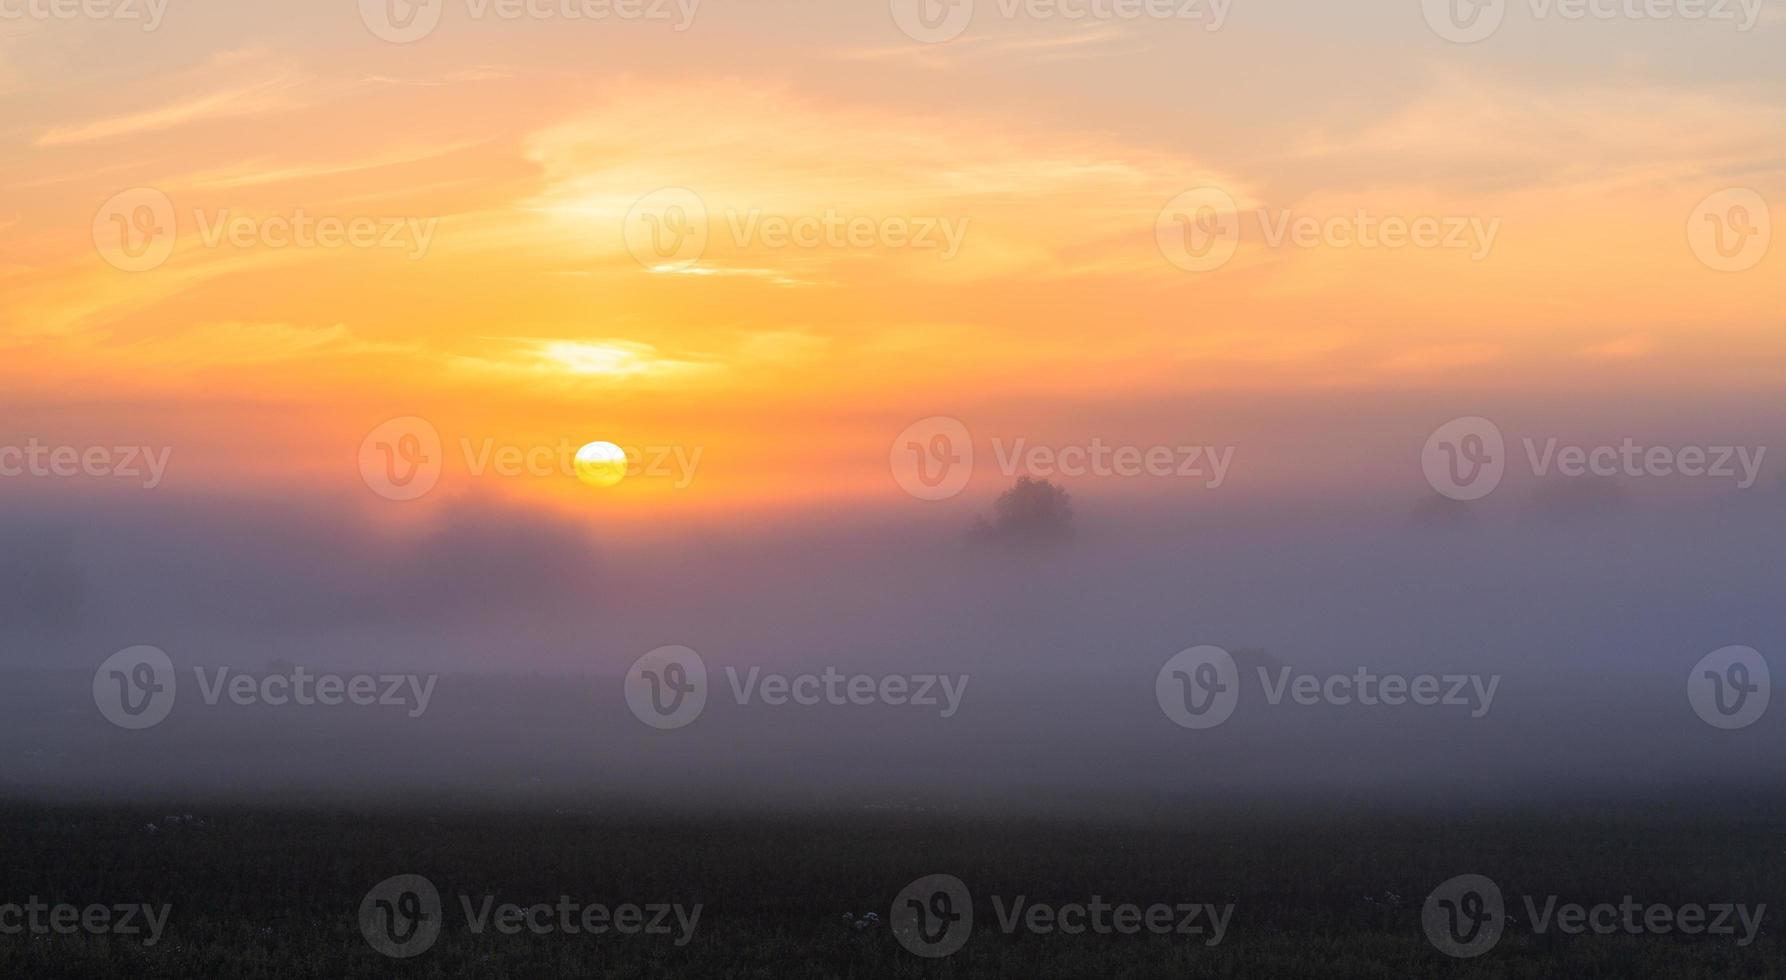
(1579, 611)
(919, 489)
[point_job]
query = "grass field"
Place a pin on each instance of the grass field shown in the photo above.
(264, 893)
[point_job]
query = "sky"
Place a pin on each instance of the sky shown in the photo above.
(1413, 335)
(1010, 192)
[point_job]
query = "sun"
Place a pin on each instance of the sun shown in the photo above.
(601, 464)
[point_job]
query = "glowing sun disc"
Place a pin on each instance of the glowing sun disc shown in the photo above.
(601, 464)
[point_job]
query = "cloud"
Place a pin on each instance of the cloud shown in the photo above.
(256, 84)
(259, 172)
(1472, 132)
(750, 152)
(254, 99)
(599, 358)
(1081, 41)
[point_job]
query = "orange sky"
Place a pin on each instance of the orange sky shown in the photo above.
(1035, 157)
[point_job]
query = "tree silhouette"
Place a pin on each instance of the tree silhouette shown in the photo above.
(1031, 512)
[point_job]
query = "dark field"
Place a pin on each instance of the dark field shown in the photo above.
(263, 893)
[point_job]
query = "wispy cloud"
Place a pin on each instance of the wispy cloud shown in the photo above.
(264, 95)
(766, 152)
(1471, 131)
(571, 359)
(259, 172)
(1079, 42)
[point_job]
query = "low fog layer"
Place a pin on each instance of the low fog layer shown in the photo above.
(1584, 605)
